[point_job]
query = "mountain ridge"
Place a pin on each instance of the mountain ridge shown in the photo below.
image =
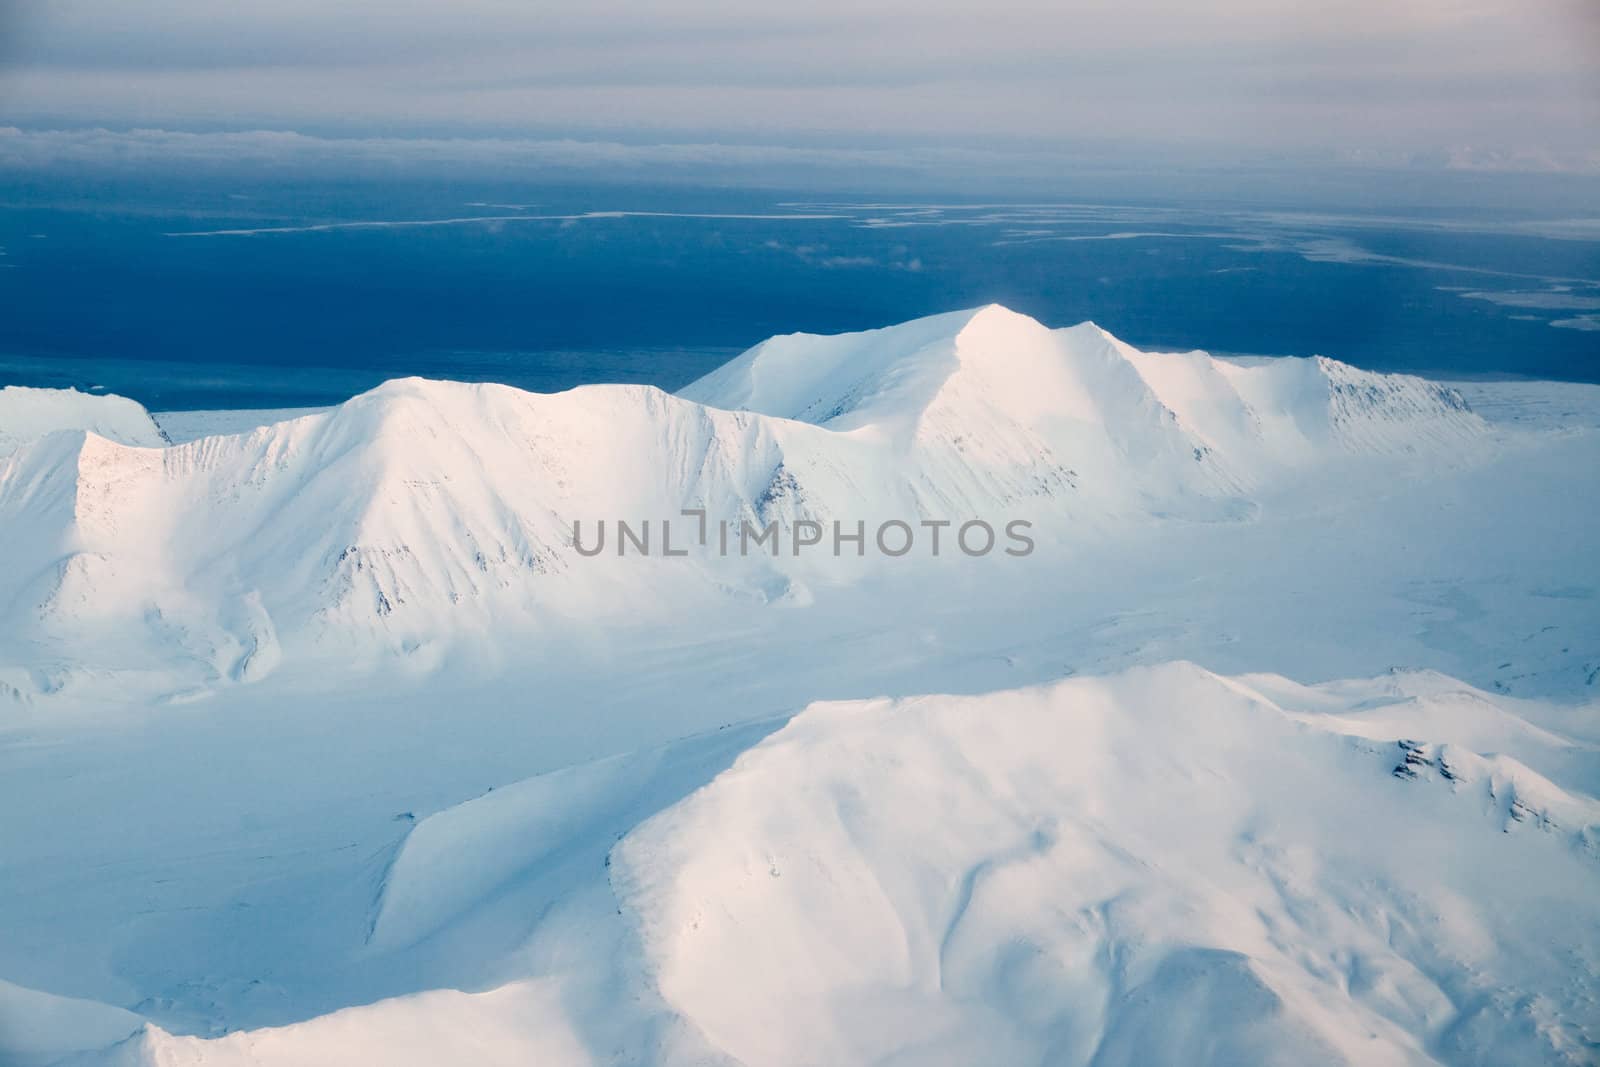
(421, 508)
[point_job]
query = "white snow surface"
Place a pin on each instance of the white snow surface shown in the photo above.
(1162, 866)
(424, 510)
(27, 414)
(324, 746)
(1159, 866)
(181, 427)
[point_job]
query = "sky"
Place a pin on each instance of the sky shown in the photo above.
(1464, 84)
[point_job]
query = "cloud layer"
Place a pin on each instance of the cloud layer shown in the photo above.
(1493, 79)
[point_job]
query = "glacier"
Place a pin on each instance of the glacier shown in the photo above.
(329, 748)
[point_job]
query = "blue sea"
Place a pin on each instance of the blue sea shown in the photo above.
(211, 293)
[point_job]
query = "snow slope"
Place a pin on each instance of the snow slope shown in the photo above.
(1158, 867)
(424, 511)
(1000, 382)
(27, 414)
(39, 1028)
(323, 745)
(418, 508)
(181, 427)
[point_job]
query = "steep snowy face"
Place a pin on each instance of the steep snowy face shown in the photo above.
(406, 502)
(983, 409)
(28, 414)
(424, 509)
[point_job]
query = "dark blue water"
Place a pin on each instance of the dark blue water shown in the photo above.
(96, 291)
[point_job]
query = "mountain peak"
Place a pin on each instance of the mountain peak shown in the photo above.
(846, 381)
(976, 372)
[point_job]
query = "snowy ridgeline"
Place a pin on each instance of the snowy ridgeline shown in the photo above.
(181, 427)
(331, 749)
(422, 510)
(1159, 867)
(29, 414)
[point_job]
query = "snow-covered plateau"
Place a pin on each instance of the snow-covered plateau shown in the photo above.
(322, 742)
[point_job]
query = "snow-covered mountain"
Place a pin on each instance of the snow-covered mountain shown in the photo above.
(1159, 867)
(330, 746)
(1001, 387)
(422, 509)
